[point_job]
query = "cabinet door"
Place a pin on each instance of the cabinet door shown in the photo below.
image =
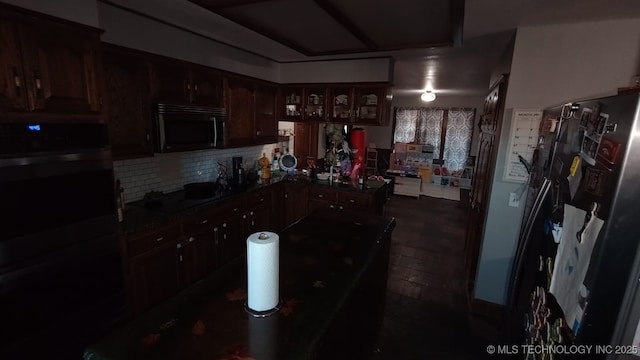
(240, 113)
(295, 203)
(370, 105)
(154, 276)
(315, 103)
(306, 143)
(206, 88)
(127, 106)
(292, 103)
(13, 93)
(170, 83)
(341, 104)
(60, 68)
(266, 124)
(233, 239)
(199, 254)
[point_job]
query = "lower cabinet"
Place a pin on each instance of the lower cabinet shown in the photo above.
(154, 276)
(163, 260)
(294, 203)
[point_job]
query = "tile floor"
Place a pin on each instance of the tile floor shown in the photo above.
(426, 313)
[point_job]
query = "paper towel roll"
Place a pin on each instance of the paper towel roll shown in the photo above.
(263, 271)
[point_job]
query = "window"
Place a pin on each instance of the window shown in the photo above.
(449, 131)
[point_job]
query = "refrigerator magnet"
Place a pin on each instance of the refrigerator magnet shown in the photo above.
(594, 180)
(608, 151)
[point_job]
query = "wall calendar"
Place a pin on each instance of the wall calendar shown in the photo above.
(523, 140)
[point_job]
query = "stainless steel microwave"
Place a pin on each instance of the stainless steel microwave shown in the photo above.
(186, 127)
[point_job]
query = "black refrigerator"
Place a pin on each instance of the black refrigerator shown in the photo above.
(576, 270)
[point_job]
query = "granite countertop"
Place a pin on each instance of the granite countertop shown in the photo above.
(137, 216)
(320, 269)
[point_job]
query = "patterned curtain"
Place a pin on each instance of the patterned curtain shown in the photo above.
(430, 128)
(406, 121)
(424, 126)
(458, 138)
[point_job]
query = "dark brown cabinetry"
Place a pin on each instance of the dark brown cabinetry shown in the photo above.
(292, 103)
(369, 103)
(164, 259)
(341, 104)
(306, 144)
(315, 103)
(154, 266)
(266, 123)
(240, 110)
(177, 82)
(358, 104)
(126, 108)
(47, 66)
(294, 203)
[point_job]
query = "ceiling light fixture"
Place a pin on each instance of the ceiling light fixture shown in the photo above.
(428, 96)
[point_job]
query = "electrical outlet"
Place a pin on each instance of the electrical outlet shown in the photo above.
(513, 200)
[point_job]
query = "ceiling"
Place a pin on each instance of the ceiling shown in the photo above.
(424, 37)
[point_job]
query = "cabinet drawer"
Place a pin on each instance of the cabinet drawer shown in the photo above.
(199, 221)
(259, 197)
(323, 194)
(139, 243)
(354, 199)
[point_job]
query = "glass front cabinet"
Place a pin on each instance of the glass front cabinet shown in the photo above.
(292, 103)
(369, 103)
(315, 109)
(341, 104)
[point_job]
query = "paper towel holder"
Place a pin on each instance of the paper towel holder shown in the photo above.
(261, 314)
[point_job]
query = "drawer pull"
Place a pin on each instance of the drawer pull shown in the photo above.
(244, 216)
(320, 195)
(191, 239)
(160, 239)
(341, 208)
(204, 221)
(235, 209)
(261, 199)
(351, 201)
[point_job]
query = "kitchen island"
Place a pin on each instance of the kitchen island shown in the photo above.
(333, 272)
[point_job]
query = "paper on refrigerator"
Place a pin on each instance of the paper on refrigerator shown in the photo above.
(572, 262)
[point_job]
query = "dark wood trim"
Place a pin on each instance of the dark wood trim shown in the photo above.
(491, 312)
(344, 58)
(456, 15)
(111, 3)
(346, 23)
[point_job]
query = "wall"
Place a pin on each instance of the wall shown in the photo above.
(80, 11)
(169, 172)
(551, 65)
(359, 70)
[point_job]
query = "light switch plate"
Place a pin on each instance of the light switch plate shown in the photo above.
(513, 200)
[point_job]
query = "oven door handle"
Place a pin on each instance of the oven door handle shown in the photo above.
(215, 132)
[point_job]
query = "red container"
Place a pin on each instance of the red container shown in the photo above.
(358, 144)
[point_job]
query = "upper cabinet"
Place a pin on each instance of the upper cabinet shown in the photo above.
(369, 103)
(315, 103)
(240, 112)
(266, 124)
(292, 102)
(358, 104)
(47, 67)
(127, 104)
(341, 109)
(180, 83)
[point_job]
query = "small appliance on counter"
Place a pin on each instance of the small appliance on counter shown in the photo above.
(239, 179)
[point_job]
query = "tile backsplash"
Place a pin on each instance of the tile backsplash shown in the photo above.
(169, 172)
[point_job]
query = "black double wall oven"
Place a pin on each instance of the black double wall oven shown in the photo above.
(61, 279)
